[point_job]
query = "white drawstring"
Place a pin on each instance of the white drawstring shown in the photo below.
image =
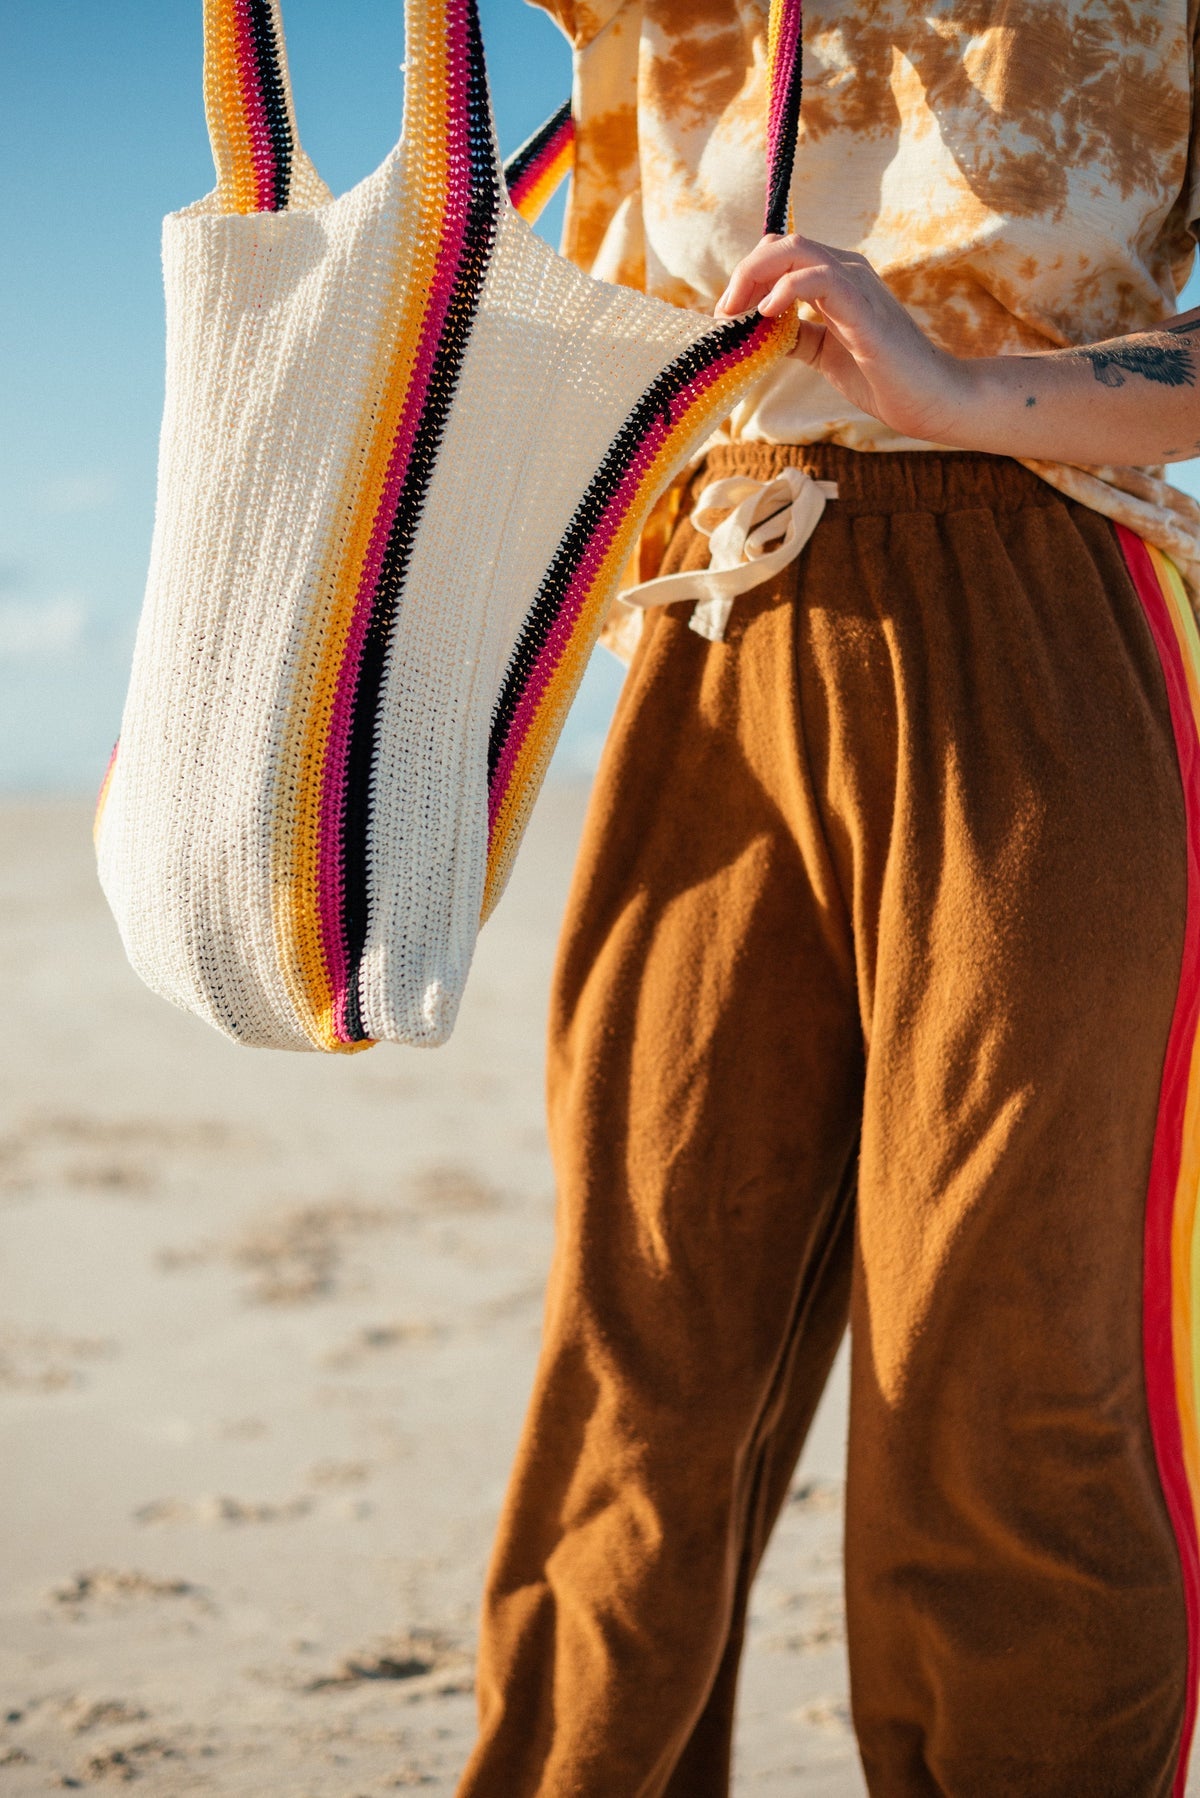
(783, 512)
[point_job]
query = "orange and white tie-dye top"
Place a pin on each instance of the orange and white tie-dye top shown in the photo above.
(1023, 174)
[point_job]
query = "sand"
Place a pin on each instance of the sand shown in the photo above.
(269, 1322)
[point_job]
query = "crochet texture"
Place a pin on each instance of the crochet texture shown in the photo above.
(406, 452)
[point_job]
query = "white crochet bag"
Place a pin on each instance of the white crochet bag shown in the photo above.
(405, 452)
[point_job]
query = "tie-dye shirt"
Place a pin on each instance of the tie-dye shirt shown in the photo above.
(1023, 174)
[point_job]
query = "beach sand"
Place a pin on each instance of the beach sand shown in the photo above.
(269, 1323)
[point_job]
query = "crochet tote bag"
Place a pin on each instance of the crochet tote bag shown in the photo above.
(405, 453)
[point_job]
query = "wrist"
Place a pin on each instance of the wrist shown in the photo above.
(942, 404)
(966, 393)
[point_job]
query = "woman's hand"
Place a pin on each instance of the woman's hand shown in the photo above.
(1132, 399)
(864, 343)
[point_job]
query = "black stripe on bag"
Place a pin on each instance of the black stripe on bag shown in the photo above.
(274, 97)
(543, 614)
(482, 215)
(523, 158)
(779, 178)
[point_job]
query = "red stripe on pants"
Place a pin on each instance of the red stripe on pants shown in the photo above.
(1161, 1372)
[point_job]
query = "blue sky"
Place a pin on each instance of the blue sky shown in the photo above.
(102, 132)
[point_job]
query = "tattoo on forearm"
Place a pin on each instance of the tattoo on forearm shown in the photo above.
(1170, 364)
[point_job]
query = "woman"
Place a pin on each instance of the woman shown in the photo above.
(878, 990)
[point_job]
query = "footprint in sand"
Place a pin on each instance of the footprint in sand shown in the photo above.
(114, 1155)
(293, 1255)
(826, 1631)
(831, 1715)
(130, 1761)
(219, 1509)
(339, 1474)
(425, 1663)
(125, 1755)
(81, 1714)
(46, 1361)
(449, 1187)
(110, 1588)
(375, 1339)
(814, 1496)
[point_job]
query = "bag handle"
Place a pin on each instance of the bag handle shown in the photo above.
(448, 142)
(785, 50)
(532, 173)
(261, 166)
(251, 120)
(535, 170)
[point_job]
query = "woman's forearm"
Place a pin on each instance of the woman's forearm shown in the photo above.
(1132, 399)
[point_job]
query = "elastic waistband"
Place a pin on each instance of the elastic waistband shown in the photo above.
(889, 480)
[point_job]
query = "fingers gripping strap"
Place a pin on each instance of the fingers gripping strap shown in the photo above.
(251, 120)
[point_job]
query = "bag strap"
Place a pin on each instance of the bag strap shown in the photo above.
(261, 166)
(785, 43)
(248, 103)
(532, 173)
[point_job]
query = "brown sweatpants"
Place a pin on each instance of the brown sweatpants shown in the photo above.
(860, 1011)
